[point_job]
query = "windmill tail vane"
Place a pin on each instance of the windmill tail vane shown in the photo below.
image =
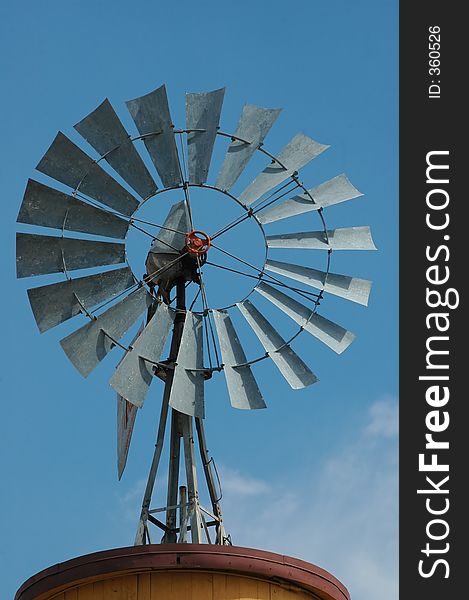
(172, 296)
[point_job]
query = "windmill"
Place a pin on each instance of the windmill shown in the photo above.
(185, 340)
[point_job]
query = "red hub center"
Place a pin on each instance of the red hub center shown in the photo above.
(197, 242)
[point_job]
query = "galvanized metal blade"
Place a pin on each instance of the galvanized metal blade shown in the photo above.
(42, 254)
(46, 207)
(297, 153)
(202, 112)
(171, 238)
(290, 365)
(53, 304)
(105, 132)
(67, 163)
(336, 190)
(87, 346)
(153, 120)
(133, 376)
(242, 387)
(346, 238)
(352, 288)
(331, 334)
(254, 124)
(187, 390)
(126, 415)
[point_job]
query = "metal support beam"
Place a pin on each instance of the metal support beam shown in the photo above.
(142, 533)
(221, 537)
(182, 514)
(191, 475)
(173, 479)
(191, 513)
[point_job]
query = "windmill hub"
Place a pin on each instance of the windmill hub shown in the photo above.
(197, 242)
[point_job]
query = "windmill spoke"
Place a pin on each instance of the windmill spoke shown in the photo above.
(302, 292)
(271, 279)
(137, 283)
(253, 211)
(212, 264)
(152, 236)
(132, 221)
(262, 201)
(194, 300)
(152, 224)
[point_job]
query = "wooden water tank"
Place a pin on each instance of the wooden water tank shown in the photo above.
(183, 572)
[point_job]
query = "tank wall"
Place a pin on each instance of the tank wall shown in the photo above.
(177, 585)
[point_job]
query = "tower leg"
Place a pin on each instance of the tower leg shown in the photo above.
(170, 537)
(142, 535)
(221, 537)
(182, 514)
(191, 475)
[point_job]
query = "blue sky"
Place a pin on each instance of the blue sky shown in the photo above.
(329, 451)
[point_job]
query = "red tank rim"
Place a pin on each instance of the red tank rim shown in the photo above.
(154, 557)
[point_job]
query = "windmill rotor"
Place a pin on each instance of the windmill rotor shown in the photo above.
(93, 222)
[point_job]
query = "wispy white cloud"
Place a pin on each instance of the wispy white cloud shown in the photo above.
(239, 485)
(342, 517)
(131, 499)
(384, 418)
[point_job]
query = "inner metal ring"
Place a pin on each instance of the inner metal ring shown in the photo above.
(247, 211)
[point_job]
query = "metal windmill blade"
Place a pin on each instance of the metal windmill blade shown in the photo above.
(46, 207)
(200, 339)
(134, 374)
(295, 371)
(352, 288)
(253, 126)
(296, 154)
(242, 387)
(187, 391)
(126, 415)
(42, 254)
(104, 131)
(346, 238)
(67, 163)
(336, 190)
(202, 118)
(87, 346)
(153, 120)
(331, 334)
(55, 303)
